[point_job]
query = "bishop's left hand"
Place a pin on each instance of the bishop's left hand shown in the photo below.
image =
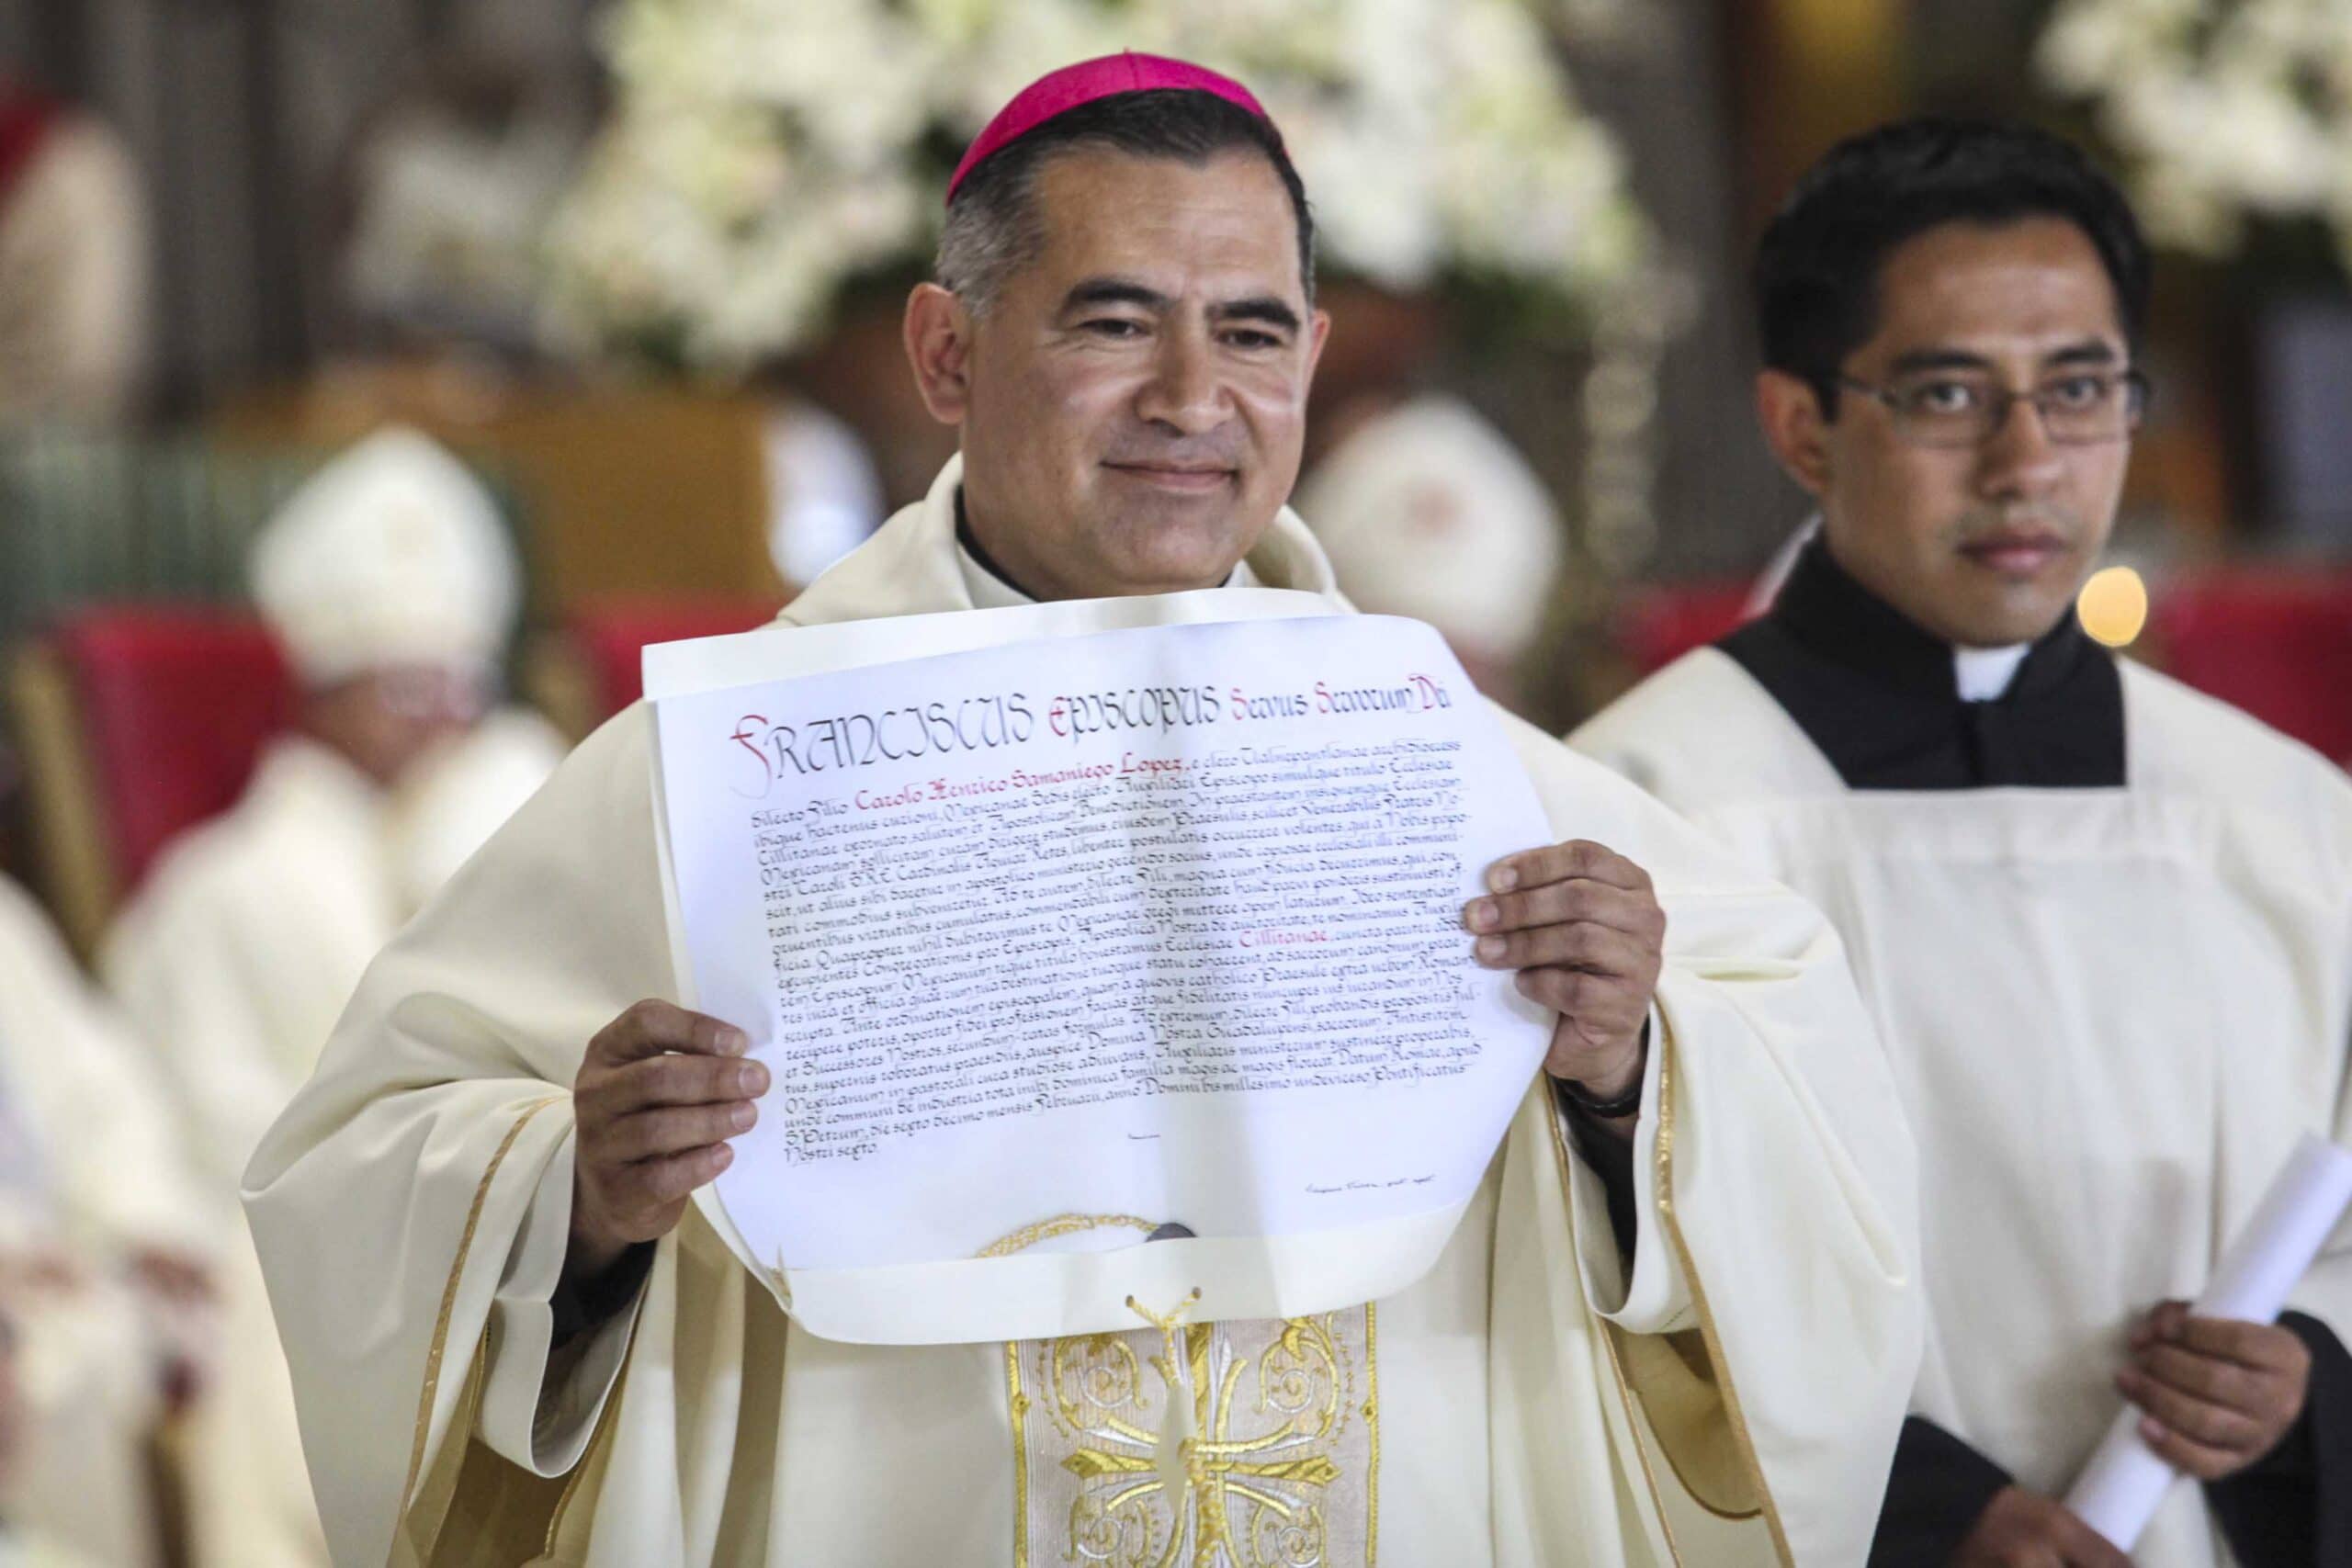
(1582, 926)
(2219, 1393)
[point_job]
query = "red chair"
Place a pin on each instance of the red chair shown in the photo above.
(2275, 642)
(1656, 624)
(137, 722)
(592, 667)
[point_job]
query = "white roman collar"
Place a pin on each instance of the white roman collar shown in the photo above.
(1983, 675)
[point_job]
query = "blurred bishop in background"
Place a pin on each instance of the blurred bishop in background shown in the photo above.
(73, 266)
(1427, 512)
(391, 583)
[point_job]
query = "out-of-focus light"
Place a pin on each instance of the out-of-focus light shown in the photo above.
(2113, 605)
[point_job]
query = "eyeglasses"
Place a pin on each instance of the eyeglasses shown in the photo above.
(1942, 408)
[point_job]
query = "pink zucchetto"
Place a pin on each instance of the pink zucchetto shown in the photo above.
(1058, 92)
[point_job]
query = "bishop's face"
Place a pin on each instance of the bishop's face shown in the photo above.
(1984, 543)
(1134, 400)
(385, 720)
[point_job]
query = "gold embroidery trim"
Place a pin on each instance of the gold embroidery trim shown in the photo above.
(1017, 1403)
(1608, 1345)
(1679, 1394)
(1061, 1225)
(449, 1299)
(1372, 1426)
(426, 1508)
(591, 1458)
(1707, 1331)
(1666, 1412)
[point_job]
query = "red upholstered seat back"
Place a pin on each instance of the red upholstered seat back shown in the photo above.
(1657, 624)
(175, 706)
(2275, 642)
(612, 636)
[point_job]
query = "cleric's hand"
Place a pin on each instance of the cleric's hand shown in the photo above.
(658, 1095)
(2024, 1529)
(1581, 925)
(2219, 1393)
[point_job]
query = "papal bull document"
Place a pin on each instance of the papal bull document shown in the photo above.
(1098, 952)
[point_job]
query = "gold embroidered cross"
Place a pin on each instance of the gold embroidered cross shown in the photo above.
(1205, 1461)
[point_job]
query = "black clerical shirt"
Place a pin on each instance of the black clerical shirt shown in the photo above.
(1881, 698)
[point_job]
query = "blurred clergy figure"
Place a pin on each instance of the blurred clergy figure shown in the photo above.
(1426, 511)
(2105, 923)
(105, 1260)
(513, 1336)
(73, 267)
(391, 585)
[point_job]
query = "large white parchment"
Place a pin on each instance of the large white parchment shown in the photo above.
(2119, 1489)
(1055, 943)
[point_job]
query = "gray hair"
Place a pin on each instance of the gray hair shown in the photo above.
(994, 226)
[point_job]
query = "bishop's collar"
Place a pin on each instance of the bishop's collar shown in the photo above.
(993, 587)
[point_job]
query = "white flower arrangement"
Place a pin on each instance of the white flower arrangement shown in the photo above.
(764, 154)
(2226, 109)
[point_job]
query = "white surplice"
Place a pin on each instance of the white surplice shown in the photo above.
(412, 1206)
(2110, 1012)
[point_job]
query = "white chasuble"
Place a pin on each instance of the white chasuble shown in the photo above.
(2110, 1011)
(1530, 1400)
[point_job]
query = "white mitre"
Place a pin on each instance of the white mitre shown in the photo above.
(1427, 512)
(391, 554)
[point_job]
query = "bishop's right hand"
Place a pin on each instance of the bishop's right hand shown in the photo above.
(658, 1095)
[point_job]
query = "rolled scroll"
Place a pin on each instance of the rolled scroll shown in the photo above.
(2119, 1490)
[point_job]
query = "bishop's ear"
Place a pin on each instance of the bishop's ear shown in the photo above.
(1794, 427)
(938, 335)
